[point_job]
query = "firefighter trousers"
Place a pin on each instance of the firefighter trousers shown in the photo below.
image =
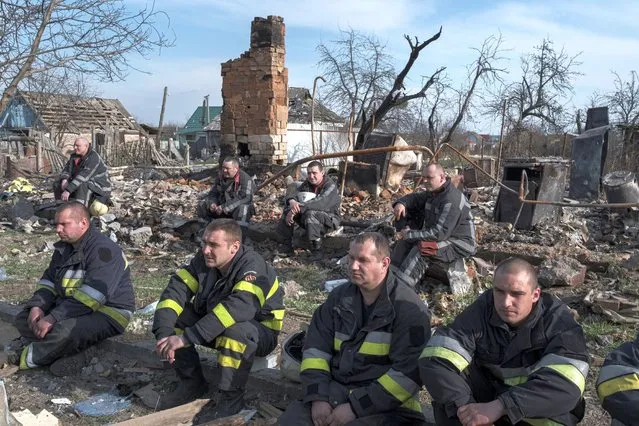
(242, 214)
(237, 348)
(316, 222)
(411, 265)
(67, 337)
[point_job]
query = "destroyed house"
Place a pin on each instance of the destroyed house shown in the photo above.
(60, 115)
(202, 131)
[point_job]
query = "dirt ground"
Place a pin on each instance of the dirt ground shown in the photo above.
(599, 239)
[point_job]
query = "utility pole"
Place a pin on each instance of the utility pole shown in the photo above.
(319, 77)
(157, 142)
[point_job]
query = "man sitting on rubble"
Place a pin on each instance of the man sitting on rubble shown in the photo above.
(514, 356)
(317, 215)
(227, 298)
(84, 297)
(618, 384)
(434, 225)
(359, 363)
(231, 195)
(85, 178)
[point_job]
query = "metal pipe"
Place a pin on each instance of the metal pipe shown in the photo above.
(522, 198)
(369, 151)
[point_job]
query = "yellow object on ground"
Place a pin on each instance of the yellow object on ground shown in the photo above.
(98, 209)
(20, 184)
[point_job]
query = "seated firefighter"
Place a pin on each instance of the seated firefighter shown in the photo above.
(231, 195)
(359, 363)
(84, 297)
(85, 178)
(434, 225)
(514, 356)
(618, 384)
(318, 215)
(227, 298)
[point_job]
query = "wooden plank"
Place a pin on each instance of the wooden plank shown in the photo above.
(182, 414)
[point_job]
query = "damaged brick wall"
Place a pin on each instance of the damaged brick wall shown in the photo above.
(255, 96)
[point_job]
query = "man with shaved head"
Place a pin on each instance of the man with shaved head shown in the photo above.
(83, 297)
(435, 225)
(514, 356)
(85, 178)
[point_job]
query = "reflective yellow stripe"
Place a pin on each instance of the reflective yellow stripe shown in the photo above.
(413, 404)
(337, 343)
(126, 262)
(274, 324)
(394, 388)
(228, 343)
(278, 313)
(70, 285)
(370, 348)
(227, 361)
(314, 364)
(23, 358)
(170, 304)
(223, 315)
(86, 300)
(46, 287)
(178, 331)
(118, 317)
(188, 279)
(618, 384)
(453, 357)
(274, 287)
(250, 288)
(517, 380)
(542, 422)
(571, 373)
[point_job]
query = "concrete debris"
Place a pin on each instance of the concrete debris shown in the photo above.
(615, 307)
(458, 278)
(43, 418)
(140, 236)
(565, 271)
(331, 285)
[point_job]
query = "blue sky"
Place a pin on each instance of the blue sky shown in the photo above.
(209, 32)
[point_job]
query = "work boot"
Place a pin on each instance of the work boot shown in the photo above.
(11, 353)
(285, 250)
(185, 392)
(72, 365)
(228, 404)
(316, 250)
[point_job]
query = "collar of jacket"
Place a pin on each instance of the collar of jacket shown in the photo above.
(383, 313)
(317, 189)
(235, 179)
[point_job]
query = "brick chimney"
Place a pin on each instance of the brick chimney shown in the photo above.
(255, 96)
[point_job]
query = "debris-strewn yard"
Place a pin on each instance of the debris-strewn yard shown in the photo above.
(153, 220)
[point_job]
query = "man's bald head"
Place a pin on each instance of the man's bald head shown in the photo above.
(433, 177)
(515, 266)
(81, 146)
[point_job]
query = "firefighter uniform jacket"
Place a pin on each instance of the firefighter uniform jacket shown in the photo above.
(538, 369)
(90, 170)
(618, 383)
(327, 199)
(92, 276)
(232, 193)
(375, 360)
(250, 290)
(446, 216)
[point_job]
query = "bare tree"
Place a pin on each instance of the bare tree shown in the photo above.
(547, 77)
(358, 73)
(95, 37)
(624, 106)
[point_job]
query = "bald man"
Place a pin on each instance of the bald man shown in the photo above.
(434, 225)
(83, 297)
(514, 356)
(85, 178)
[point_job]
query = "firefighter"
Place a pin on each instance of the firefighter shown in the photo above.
(227, 298)
(514, 356)
(434, 225)
(83, 297)
(85, 178)
(318, 215)
(618, 384)
(231, 195)
(359, 363)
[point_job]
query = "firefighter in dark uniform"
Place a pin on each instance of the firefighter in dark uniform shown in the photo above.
(227, 298)
(84, 296)
(318, 215)
(514, 356)
(231, 195)
(359, 363)
(85, 178)
(618, 384)
(434, 225)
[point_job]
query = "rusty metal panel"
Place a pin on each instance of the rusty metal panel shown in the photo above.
(588, 158)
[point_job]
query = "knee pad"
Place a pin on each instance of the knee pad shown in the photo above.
(98, 209)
